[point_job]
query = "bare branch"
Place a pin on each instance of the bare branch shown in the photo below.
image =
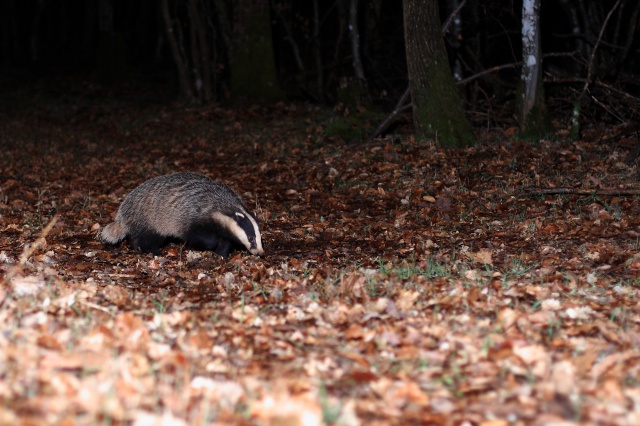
(447, 23)
(609, 192)
(290, 38)
(489, 71)
(28, 251)
(400, 107)
(595, 49)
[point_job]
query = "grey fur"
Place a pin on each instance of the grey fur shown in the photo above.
(187, 206)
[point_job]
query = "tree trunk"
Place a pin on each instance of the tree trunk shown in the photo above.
(200, 52)
(317, 51)
(534, 121)
(437, 108)
(111, 54)
(35, 31)
(354, 33)
(253, 69)
(181, 62)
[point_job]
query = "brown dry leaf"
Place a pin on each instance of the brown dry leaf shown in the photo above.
(75, 360)
(353, 332)
(507, 317)
(473, 295)
(64, 385)
(200, 340)
(348, 415)
(406, 300)
(115, 294)
(353, 285)
(100, 338)
(494, 422)
(287, 410)
(244, 313)
(226, 393)
(535, 357)
(616, 359)
(154, 264)
(411, 392)
(49, 342)
(355, 357)
(541, 318)
(27, 286)
(613, 335)
(483, 256)
(401, 284)
(584, 361)
(563, 376)
(143, 418)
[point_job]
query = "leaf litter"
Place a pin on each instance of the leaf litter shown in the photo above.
(402, 283)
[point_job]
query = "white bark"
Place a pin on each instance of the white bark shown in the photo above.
(531, 55)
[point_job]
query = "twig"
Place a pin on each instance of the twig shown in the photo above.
(512, 65)
(607, 109)
(583, 191)
(400, 107)
(95, 306)
(28, 251)
(595, 48)
(290, 38)
(445, 26)
(488, 71)
(634, 152)
(625, 95)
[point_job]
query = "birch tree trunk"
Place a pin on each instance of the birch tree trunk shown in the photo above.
(437, 108)
(533, 112)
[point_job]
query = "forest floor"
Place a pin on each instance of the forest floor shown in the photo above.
(401, 283)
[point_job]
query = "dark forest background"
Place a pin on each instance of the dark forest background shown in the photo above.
(124, 44)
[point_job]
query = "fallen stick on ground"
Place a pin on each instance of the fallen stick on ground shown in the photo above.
(583, 191)
(28, 251)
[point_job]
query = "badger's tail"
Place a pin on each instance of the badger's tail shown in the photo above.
(113, 233)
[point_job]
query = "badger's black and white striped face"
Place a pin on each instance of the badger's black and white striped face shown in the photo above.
(244, 228)
(251, 231)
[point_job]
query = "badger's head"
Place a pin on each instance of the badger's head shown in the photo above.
(242, 227)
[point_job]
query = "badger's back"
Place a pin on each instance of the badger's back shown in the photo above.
(170, 204)
(174, 205)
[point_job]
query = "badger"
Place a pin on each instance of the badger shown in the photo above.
(189, 207)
